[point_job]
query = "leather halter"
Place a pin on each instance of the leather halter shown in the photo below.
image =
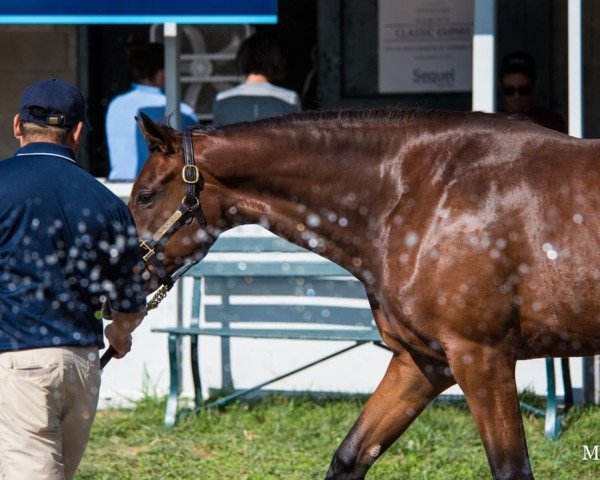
(188, 210)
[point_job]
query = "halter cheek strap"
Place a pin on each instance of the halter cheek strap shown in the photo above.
(188, 210)
(192, 178)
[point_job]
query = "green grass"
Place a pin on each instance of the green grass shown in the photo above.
(294, 438)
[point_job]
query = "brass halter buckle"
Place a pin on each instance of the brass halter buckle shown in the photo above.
(190, 174)
(150, 250)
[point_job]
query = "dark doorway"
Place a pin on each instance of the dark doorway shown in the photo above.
(108, 76)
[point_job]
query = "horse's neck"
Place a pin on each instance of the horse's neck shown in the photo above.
(298, 189)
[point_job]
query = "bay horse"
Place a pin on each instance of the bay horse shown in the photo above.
(476, 236)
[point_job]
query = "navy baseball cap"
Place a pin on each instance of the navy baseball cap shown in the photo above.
(53, 102)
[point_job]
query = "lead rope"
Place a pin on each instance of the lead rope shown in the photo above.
(158, 297)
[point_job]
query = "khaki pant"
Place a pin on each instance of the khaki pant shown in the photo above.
(48, 400)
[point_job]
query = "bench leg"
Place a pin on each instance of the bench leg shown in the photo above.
(226, 374)
(171, 411)
(552, 424)
(195, 357)
(566, 375)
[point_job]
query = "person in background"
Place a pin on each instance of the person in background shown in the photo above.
(127, 148)
(517, 83)
(67, 244)
(260, 60)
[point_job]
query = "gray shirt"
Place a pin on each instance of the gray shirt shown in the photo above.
(253, 101)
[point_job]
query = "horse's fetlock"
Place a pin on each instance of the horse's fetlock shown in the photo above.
(343, 465)
(346, 457)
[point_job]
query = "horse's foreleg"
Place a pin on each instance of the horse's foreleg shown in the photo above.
(406, 388)
(486, 375)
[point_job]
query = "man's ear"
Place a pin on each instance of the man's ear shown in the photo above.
(76, 135)
(158, 137)
(17, 127)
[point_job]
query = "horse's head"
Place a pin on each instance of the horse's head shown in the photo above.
(165, 202)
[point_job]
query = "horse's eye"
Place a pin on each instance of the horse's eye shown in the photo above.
(144, 198)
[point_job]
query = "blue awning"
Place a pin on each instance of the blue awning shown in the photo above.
(137, 11)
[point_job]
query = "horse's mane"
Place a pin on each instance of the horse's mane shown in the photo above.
(379, 115)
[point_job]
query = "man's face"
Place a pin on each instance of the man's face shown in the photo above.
(517, 89)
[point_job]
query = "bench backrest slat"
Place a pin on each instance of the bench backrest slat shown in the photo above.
(210, 268)
(288, 314)
(254, 244)
(331, 300)
(299, 286)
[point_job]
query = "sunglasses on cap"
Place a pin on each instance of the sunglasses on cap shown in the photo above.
(523, 90)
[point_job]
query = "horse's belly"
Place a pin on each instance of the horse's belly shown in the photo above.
(565, 323)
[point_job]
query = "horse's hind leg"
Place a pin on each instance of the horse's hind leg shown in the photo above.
(406, 388)
(486, 375)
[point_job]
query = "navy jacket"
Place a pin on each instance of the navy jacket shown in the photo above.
(65, 242)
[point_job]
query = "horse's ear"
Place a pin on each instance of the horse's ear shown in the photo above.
(158, 137)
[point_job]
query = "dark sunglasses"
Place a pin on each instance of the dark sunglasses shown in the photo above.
(523, 91)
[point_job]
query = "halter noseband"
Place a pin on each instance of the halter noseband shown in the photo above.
(188, 210)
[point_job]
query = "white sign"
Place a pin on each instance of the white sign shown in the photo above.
(425, 45)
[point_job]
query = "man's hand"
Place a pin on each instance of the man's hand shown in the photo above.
(119, 339)
(118, 332)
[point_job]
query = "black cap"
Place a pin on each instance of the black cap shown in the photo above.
(53, 102)
(518, 62)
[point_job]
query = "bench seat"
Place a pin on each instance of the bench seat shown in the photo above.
(352, 335)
